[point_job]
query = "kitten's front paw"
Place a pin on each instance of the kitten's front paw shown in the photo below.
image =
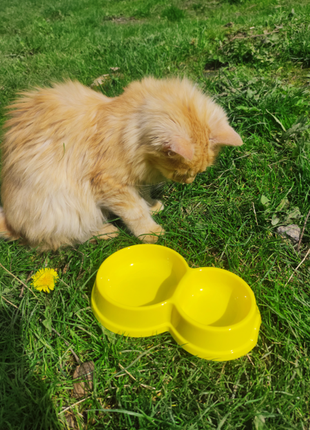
(157, 207)
(108, 231)
(152, 236)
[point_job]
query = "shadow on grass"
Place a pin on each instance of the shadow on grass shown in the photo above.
(25, 401)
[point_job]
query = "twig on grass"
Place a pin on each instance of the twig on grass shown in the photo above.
(64, 283)
(250, 360)
(9, 302)
(22, 290)
(277, 120)
(133, 362)
(254, 213)
(303, 230)
(81, 267)
(235, 389)
(126, 371)
(149, 388)
(307, 253)
(74, 404)
(129, 374)
(21, 282)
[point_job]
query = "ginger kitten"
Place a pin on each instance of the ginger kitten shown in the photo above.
(72, 155)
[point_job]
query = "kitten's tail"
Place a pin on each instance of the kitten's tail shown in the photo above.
(5, 231)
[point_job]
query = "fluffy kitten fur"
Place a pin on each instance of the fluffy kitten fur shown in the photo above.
(72, 155)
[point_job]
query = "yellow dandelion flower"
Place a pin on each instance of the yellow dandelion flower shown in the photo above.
(45, 279)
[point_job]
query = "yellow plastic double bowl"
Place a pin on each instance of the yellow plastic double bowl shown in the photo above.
(145, 290)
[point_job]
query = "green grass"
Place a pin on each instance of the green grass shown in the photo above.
(227, 218)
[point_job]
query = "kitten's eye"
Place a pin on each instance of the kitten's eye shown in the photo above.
(169, 154)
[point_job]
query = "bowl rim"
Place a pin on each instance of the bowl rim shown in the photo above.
(173, 299)
(223, 328)
(139, 308)
(235, 326)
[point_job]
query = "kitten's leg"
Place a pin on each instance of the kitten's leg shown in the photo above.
(108, 231)
(135, 212)
(157, 207)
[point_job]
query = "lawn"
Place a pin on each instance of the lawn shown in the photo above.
(254, 59)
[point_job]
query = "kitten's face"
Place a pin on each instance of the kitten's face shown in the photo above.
(182, 153)
(178, 169)
(184, 130)
(184, 176)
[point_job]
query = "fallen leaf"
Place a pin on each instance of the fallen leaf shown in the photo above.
(293, 213)
(291, 231)
(259, 422)
(48, 323)
(65, 269)
(275, 220)
(101, 80)
(71, 422)
(84, 373)
(284, 203)
(264, 200)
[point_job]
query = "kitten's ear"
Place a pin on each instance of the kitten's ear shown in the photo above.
(225, 135)
(181, 146)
